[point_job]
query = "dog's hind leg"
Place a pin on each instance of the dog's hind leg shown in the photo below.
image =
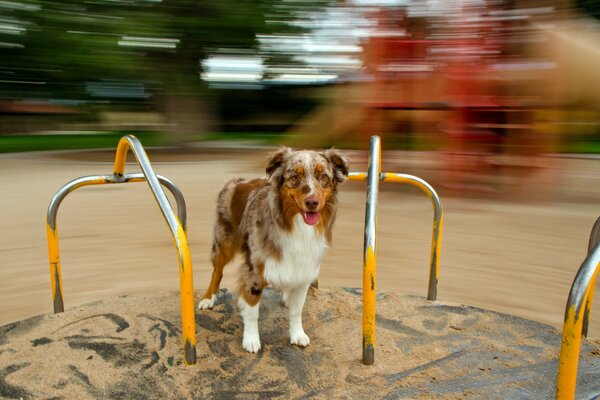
(221, 254)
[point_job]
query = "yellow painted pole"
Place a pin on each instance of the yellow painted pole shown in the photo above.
(357, 176)
(52, 236)
(185, 262)
(369, 306)
(569, 356)
(580, 294)
(373, 176)
(176, 225)
(588, 309)
(438, 220)
(566, 381)
(370, 254)
(188, 322)
(55, 272)
(438, 224)
(121, 154)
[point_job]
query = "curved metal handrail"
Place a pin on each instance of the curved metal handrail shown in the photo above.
(176, 224)
(594, 236)
(438, 222)
(594, 240)
(373, 177)
(438, 219)
(576, 314)
(59, 196)
(108, 179)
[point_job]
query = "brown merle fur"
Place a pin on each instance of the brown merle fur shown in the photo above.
(252, 213)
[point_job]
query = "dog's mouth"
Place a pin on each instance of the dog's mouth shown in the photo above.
(310, 217)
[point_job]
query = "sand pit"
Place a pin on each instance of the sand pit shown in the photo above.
(129, 347)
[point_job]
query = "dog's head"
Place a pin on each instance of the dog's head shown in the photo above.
(307, 180)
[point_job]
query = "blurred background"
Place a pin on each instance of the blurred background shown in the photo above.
(486, 82)
(495, 103)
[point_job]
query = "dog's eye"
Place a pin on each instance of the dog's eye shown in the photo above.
(324, 179)
(294, 180)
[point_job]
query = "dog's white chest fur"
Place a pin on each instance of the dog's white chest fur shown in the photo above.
(302, 251)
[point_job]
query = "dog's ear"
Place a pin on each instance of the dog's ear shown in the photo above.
(275, 161)
(339, 162)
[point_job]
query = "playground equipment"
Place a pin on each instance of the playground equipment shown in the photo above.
(176, 224)
(373, 176)
(580, 297)
(577, 312)
(456, 344)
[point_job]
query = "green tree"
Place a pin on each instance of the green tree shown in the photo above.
(61, 49)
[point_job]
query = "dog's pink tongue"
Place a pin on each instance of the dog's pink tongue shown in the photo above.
(311, 217)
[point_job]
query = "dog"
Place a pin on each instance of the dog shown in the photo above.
(282, 224)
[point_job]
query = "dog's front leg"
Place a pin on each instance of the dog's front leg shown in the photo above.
(251, 340)
(295, 303)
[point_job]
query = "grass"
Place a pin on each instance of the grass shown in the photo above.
(103, 140)
(94, 140)
(581, 147)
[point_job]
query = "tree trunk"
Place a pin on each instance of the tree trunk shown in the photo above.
(189, 116)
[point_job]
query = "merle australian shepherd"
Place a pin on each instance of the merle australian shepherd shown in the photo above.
(282, 225)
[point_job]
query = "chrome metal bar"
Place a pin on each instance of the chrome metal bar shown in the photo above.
(51, 217)
(581, 290)
(594, 236)
(144, 163)
(107, 179)
(177, 225)
(175, 191)
(179, 236)
(370, 253)
(438, 222)
(373, 177)
(594, 239)
(52, 234)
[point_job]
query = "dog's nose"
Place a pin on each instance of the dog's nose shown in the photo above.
(311, 203)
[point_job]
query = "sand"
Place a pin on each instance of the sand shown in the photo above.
(129, 347)
(515, 251)
(516, 254)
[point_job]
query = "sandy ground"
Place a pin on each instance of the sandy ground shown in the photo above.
(129, 347)
(515, 253)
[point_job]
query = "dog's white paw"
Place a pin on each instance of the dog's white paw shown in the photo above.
(300, 339)
(207, 303)
(251, 345)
